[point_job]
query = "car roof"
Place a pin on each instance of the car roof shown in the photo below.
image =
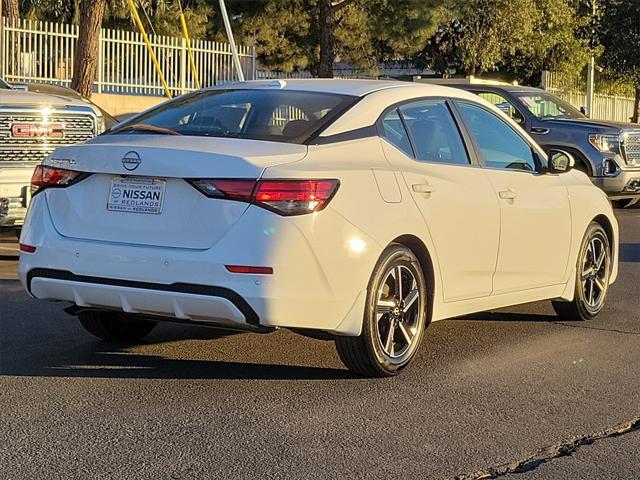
(497, 88)
(354, 87)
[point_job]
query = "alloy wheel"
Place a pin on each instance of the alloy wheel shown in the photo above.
(397, 311)
(595, 273)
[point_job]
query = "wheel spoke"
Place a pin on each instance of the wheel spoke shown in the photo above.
(410, 300)
(406, 333)
(587, 273)
(593, 246)
(385, 305)
(600, 259)
(600, 284)
(388, 344)
(590, 296)
(398, 273)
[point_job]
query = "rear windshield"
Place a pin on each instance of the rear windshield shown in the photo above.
(281, 116)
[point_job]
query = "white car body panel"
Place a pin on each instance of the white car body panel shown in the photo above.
(485, 252)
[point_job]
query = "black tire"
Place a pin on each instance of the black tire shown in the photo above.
(627, 203)
(590, 278)
(114, 326)
(402, 325)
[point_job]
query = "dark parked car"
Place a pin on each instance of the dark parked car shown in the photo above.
(609, 152)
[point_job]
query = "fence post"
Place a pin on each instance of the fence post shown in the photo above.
(183, 65)
(100, 60)
(2, 56)
(253, 60)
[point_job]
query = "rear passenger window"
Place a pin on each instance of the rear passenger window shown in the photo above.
(435, 135)
(395, 133)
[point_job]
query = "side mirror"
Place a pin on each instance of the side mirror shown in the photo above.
(560, 161)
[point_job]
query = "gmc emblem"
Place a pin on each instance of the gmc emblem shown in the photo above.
(37, 130)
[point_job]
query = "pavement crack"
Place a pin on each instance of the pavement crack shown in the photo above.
(547, 454)
(601, 329)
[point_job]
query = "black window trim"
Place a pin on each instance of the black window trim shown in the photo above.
(467, 140)
(537, 158)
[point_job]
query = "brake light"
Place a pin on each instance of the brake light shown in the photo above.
(27, 248)
(285, 197)
(45, 177)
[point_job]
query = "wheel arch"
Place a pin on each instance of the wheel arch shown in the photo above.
(605, 223)
(421, 251)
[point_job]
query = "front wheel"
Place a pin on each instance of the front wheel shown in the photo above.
(114, 326)
(394, 319)
(592, 277)
(627, 203)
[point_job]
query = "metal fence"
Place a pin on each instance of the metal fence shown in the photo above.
(605, 107)
(36, 51)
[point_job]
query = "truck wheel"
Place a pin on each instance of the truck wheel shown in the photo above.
(627, 203)
(114, 326)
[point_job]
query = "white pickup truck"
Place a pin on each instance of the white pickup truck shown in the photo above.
(34, 121)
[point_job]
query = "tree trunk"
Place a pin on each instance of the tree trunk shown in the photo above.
(636, 107)
(327, 52)
(11, 9)
(86, 58)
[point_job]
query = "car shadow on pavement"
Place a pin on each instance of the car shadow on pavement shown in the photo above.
(105, 360)
(83, 356)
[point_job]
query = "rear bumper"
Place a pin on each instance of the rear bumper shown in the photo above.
(317, 283)
(182, 301)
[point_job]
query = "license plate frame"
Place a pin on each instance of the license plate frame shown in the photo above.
(142, 195)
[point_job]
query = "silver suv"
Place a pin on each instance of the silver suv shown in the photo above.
(34, 121)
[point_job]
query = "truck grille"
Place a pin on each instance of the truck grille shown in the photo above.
(77, 128)
(632, 148)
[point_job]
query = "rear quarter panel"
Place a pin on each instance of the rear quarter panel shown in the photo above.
(348, 250)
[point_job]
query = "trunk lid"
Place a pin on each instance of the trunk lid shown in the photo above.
(187, 218)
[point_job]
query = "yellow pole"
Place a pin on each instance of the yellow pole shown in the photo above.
(191, 60)
(136, 17)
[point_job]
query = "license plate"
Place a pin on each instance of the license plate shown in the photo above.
(136, 195)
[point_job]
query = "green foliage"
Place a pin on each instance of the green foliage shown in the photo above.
(620, 37)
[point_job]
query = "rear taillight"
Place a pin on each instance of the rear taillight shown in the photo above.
(45, 177)
(284, 197)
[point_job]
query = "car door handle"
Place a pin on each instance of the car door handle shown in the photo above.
(540, 130)
(422, 188)
(508, 194)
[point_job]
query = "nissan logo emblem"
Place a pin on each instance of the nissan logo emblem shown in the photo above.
(131, 161)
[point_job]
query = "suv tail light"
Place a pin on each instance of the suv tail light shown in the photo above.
(45, 177)
(284, 197)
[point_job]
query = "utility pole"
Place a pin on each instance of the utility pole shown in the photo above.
(592, 60)
(232, 43)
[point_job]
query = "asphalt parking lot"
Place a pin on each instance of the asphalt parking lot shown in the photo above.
(513, 394)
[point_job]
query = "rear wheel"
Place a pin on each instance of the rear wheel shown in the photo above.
(394, 319)
(114, 326)
(592, 277)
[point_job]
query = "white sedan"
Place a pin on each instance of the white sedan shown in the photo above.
(358, 211)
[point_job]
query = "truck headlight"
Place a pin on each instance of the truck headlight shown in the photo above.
(605, 143)
(101, 125)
